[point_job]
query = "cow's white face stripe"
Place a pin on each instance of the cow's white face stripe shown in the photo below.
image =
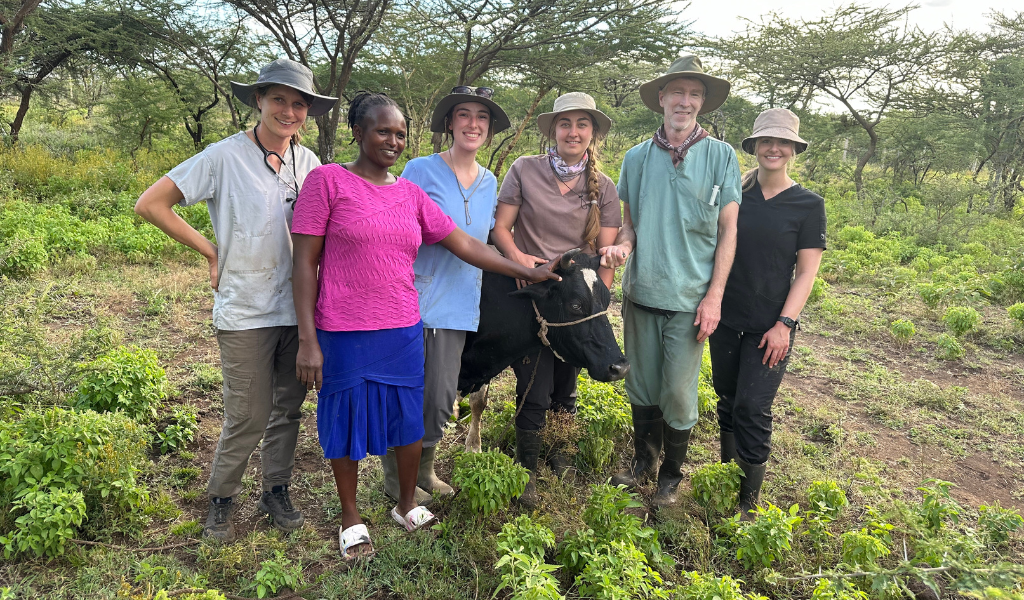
(590, 276)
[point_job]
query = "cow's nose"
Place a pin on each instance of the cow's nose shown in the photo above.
(618, 370)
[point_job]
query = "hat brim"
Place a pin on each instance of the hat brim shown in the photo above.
(776, 132)
(321, 104)
(544, 120)
(717, 91)
(499, 120)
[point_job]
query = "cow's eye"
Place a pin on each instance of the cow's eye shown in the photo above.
(576, 306)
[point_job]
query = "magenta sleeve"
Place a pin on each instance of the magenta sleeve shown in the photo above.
(434, 223)
(313, 206)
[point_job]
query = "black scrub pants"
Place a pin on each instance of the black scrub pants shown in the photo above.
(746, 390)
(554, 388)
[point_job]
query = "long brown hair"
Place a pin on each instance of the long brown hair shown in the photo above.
(593, 178)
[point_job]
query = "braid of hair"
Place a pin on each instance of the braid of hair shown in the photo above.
(365, 101)
(593, 170)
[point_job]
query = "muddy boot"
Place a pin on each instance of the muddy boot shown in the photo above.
(218, 521)
(527, 452)
(647, 437)
(750, 488)
(560, 464)
(389, 463)
(427, 479)
(277, 503)
(671, 471)
(729, 447)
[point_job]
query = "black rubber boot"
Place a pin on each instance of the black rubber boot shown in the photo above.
(560, 464)
(647, 439)
(750, 488)
(729, 447)
(528, 445)
(671, 472)
(389, 463)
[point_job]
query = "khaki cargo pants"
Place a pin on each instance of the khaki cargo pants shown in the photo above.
(262, 400)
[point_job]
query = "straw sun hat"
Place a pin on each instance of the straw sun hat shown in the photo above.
(574, 101)
(686, 65)
(777, 123)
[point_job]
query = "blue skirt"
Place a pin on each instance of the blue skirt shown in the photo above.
(372, 394)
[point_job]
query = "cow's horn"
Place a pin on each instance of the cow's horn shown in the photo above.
(567, 258)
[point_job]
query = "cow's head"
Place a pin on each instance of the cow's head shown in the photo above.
(579, 294)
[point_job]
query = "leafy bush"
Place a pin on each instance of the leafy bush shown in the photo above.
(97, 456)
(619, 570)
(937, 505)
(768, 538)
(841, 590)
(861, 549)
(961, 320)
(949, 348)
(50, 519)
(818, 290)
(605, 414)
(930, 294)
(182, 430)
(716, 487)
(1016, 313)
(524, 536)
(827, 499)
(527, 577)
(998, 523)
(902, 330)
(125, 379)
(709, 587)
(22, 254)
(489, 480)
(277, 573)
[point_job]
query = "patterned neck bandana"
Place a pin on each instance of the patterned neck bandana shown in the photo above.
(679, 152)
(563, 171)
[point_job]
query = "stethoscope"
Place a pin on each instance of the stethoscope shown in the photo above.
(266, 160)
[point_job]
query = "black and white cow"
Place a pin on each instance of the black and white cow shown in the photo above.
(509, 329)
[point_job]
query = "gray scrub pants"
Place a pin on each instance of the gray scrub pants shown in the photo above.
(262, 400)
(442, 350)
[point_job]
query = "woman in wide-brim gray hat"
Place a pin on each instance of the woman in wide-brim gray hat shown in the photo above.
(716, 89)
(250, 182)
(461, 94)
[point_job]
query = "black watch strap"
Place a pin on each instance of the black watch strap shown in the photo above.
(788, 322)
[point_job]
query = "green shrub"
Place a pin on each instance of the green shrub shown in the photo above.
(707, 399)
(708, 587)
(524, 536)
(961, 320)
(22, 254)
(50, 518)
(716, 487)
(606, 417)
(937, 506)
(619, 570)
(1016, 313)
(841, 590)
(949, 348)
(182, 430)
(818, 290)
(861, 549)
(768, 538)
(489, 480)
(902, 330)
(526, 577)
(96, 455)
(998, 523)
(827, 499)
(931, 294)
(277, 573)
(125, 379)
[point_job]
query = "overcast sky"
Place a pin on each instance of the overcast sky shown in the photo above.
(722, 17)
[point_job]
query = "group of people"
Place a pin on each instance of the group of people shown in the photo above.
(360, 285)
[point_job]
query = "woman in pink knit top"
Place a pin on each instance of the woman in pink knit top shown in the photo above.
(356, 232)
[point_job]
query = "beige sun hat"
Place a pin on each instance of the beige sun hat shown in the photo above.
(574, 101)
(777, 123)
(687, 65)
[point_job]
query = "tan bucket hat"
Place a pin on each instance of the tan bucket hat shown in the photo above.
(574, 101)
(687, 65)
(777, 123)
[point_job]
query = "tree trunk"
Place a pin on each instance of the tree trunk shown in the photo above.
(862, 161)
(519, 130)
(19, 117)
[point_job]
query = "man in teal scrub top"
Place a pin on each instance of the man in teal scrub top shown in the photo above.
(682, 190)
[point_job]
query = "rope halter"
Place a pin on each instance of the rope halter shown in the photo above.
(545, 324)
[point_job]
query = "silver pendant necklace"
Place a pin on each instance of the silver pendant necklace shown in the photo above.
(458, 184)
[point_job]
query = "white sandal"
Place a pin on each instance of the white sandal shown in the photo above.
(354, 536)
(416, 518)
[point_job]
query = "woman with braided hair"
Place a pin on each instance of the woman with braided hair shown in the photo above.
(549, 204)
(356, 232)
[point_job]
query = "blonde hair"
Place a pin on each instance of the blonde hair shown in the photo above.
(749, 178)
(593, 179)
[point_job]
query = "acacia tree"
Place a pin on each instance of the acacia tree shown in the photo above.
(868, 60)
(324, 35)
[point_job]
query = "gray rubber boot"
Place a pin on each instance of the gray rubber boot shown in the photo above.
(528, 445)
(729, 447)
(647, 441)
(427, 479)
(389, 463)
(677, 441)
(750, 488)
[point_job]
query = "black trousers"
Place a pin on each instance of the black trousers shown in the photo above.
(746, 390)
(554, 388)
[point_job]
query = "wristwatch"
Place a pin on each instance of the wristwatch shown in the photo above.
(788, 322)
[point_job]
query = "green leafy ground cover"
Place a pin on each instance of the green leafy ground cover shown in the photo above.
(908, 374)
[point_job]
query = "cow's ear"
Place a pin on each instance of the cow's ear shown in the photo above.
(536, 291)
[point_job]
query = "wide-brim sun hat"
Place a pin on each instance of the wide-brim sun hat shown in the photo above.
(777, 123)
(687, 65)
(290, 73)
(574, 101)
(499, 120)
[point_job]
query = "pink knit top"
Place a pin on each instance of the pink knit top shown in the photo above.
(372, 233)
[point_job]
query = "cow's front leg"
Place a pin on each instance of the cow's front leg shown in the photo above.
(477, 404)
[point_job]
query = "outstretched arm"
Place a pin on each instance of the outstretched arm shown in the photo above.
(615, 255)
(476, 253)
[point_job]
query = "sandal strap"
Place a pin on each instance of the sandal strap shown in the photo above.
(418, 516)
(353, 536)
